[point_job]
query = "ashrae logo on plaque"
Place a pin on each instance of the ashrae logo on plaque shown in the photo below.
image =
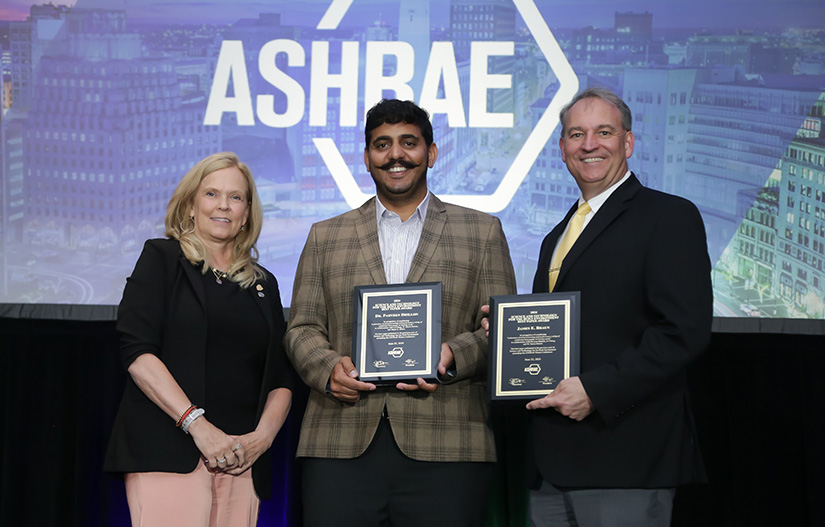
(325, 80)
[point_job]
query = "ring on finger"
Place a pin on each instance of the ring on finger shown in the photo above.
(221, 461)
(237, 447)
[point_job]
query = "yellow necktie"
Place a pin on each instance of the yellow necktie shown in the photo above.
(576, 224)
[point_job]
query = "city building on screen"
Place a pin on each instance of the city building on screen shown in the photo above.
(108, 136)
(801, 226)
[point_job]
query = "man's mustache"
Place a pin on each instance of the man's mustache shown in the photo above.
(402, 162)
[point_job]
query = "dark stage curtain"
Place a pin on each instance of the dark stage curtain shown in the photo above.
(760, 411)
(60, 386)
(758, 400)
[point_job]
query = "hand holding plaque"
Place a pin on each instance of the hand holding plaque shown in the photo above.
(569, 398)
(397, 332)
(534, 343)
(344, 384)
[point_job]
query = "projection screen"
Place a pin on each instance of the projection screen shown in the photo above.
(107, 104)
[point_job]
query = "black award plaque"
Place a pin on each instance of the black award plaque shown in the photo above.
(534, 343)
(397, 332)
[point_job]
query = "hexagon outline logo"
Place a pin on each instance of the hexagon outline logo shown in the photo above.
(526, 156)
(533, 369)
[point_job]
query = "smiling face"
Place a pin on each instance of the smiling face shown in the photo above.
(595, 146)
(398, 158)
(220, 207)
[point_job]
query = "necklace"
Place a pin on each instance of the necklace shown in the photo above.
(218, 275)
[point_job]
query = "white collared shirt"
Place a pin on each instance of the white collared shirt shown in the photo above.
(399, 240)
(595, 203)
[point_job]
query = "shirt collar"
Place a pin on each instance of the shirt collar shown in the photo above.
(382, 212)
(597, 201)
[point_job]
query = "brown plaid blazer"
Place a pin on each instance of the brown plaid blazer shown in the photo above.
(463, 249)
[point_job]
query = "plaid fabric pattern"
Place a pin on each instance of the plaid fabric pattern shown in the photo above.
(467, 252)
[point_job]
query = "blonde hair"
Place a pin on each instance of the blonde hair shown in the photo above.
(180, 226)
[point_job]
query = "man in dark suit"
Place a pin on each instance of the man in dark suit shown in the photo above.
(612, 444)
(415, 453)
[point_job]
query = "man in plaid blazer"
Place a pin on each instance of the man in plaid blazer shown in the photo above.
(417, 453)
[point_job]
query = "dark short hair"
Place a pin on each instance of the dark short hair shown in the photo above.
(605, 95)
(393, 111)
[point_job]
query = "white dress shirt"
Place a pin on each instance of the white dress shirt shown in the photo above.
(595, 204)
(399, 240)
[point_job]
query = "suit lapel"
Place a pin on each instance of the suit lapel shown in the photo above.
(259, 291)
(366, 229)
(557, 231)
(193, 274)
(541, 281)
(615, 205)
(430, 236)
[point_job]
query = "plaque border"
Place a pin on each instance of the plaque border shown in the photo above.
(362, 293)
(571, 301)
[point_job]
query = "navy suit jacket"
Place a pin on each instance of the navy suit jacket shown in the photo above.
(643, 271)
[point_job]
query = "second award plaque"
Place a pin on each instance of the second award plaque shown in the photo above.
(397, 332)
(534, 343)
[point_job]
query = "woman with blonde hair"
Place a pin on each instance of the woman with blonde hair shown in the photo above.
(201, 325)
